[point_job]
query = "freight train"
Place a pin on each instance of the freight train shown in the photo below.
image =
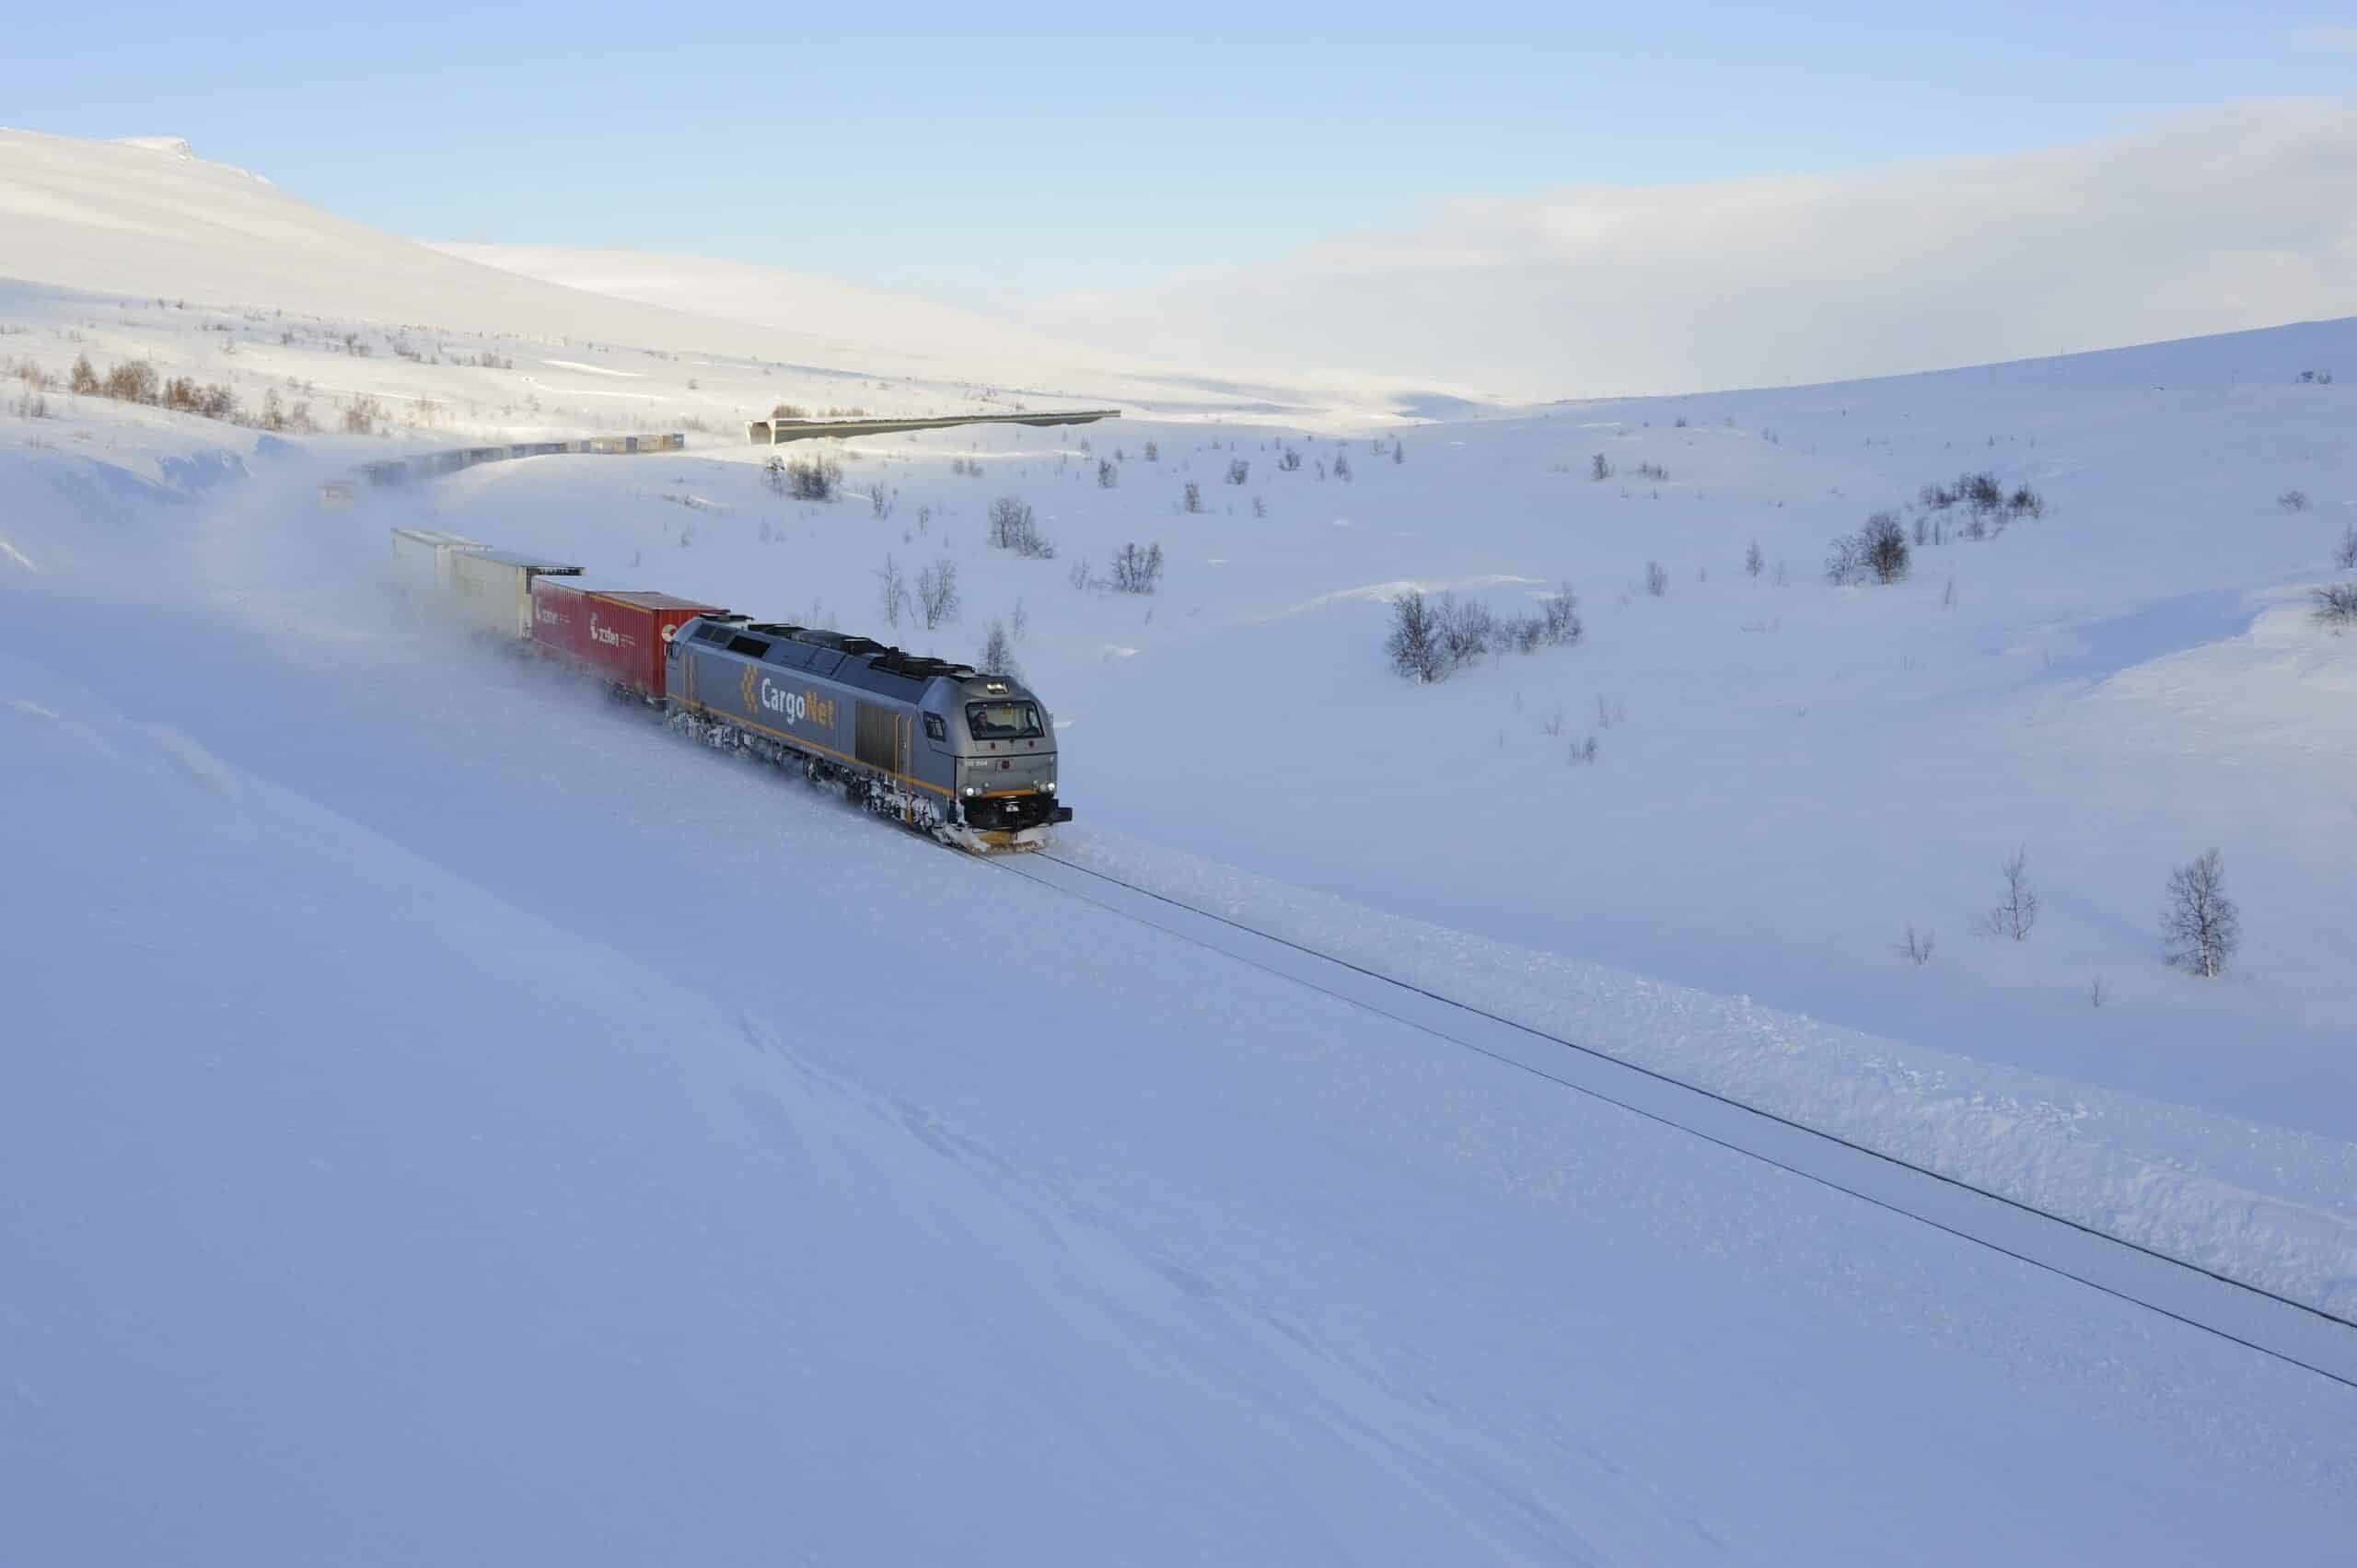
(964, 755)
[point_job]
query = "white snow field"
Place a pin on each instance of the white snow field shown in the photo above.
(446, 1117)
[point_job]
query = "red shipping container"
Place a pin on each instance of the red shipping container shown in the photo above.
(616, 632)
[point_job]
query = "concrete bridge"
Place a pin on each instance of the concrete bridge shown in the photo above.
(772, 431)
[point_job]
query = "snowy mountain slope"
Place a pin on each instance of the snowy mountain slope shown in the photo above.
(858, 321)
(106, 218)
(458, 1088)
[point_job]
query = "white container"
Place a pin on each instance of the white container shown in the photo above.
(491, 591)
(422, 561)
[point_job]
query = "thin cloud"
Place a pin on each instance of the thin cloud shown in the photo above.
(2232, 218)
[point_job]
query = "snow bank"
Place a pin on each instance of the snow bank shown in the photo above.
(2274, 1207)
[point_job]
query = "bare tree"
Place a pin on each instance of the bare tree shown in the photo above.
(1598, 470)
(1153, 452)
(2017, 911)
(1753, 562)
(1343, 467)
(879, 500)
(1414, 644)
(891, 591)
(1883, 543)
(1239, 471)
(1108, 476)
(2345, 557)
(998, 653)
(2200, 927)
(1289, 460)
(1468, 629)
(937, 592)
(1918, 946)
(2294, 501)
(1656, 578)
(1191, 498)
(1559, 615)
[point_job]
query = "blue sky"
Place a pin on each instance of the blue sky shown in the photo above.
(971, 155)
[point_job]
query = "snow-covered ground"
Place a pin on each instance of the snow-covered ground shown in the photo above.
(444, 1086)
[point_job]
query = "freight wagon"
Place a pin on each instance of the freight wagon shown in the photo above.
(491, 591)
(617, 633)
(422, 560)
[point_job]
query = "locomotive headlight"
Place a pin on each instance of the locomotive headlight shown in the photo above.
(971, 790)
(1048, 786)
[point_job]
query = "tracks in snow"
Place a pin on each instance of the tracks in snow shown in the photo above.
(2201, 1299)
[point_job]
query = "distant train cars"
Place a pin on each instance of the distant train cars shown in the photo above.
(428, 465)
(967, 756)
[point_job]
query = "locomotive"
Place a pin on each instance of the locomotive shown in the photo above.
(962, 754)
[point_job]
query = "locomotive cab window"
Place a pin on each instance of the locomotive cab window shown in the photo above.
(933, 728)
(1003, 721)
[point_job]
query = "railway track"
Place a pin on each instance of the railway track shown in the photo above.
(2201, 1300)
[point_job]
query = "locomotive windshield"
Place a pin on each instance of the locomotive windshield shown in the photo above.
(1004, 721)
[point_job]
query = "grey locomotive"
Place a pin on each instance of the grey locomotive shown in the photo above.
(964, 755)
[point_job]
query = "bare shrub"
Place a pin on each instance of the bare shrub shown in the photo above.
(1191, 498)
(1137, 571)
(1653, 471)
(132, 381)
(1656, 578)
(1598, 470)
(1239, 471)
(813, 478)
(2200, 927)
(2017, 911)
(1012, 527)
(84, 378)
(880, 501)
(1877, 553)
(2336, 606)
(1153, 451)
(1585, 752)
(2345, 555)
(1343, 467)
(1289, 460)
(1918, 946)
(361, 416)
(788, 411)
(1108, 476)
(1753, 562)
(2294, 501)
(937, 593)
